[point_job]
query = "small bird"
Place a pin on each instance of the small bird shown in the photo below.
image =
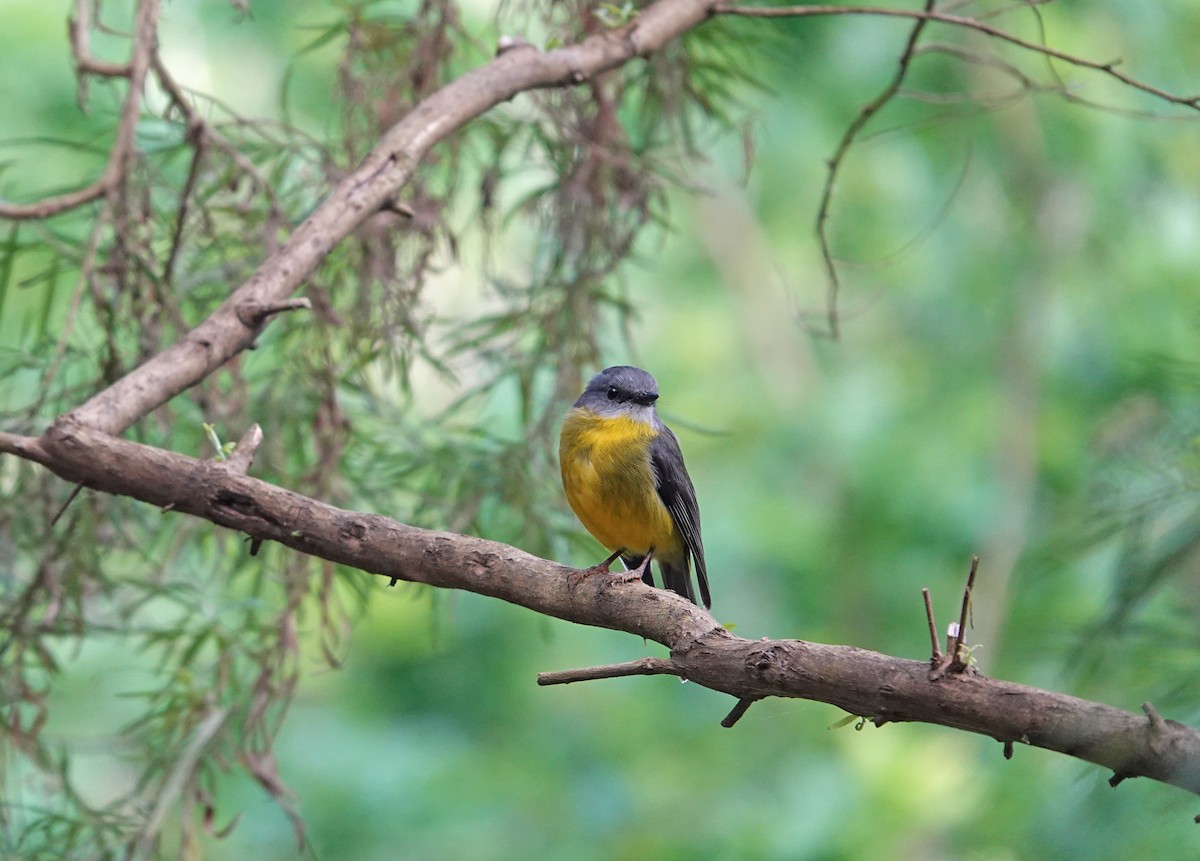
(624, 477)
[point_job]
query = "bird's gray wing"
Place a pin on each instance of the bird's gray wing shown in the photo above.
(677, 494)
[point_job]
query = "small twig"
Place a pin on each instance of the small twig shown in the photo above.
(28, 447)
(1156, 721)
(936, 657)
(640, 667)
(254, 314)
(181, 773)
(79, 27)
(958, 636)
(49, 206)
(145, 32)
(1108, 68)
(208, 133)
(82, 280)
(63, 509)
(1008, 749)
(196, 134)
(241, 458)
(737, 711)
(853, 132)
(849, 136)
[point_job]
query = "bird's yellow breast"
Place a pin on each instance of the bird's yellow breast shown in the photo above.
(609, 483)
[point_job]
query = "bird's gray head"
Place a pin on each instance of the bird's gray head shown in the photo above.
(622, 390)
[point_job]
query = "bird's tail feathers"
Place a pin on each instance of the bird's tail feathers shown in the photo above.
(679, 580)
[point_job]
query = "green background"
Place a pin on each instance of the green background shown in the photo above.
(1015, 379)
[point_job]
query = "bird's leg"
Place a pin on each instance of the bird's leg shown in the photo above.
(602, 568)
(642, 571)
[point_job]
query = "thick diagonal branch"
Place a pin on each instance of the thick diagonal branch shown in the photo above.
(385, 171)
(390, 165)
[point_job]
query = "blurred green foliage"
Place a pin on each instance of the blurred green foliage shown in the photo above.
(1016, 378)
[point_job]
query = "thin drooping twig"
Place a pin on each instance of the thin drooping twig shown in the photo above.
(86, 264)
(196, 136)
(145, 36)
(853, 132)
(79, 26)
(180, 774)
(1108, 68)
(208, 132)
(834, 165)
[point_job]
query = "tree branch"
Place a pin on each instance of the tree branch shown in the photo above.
(79, 448)
(386, 169)
(390, 165)
(145, 36)
(849, 136)
(640, 667)
(27, 447)
(1107, 68)
(881, 688)
(79, 28)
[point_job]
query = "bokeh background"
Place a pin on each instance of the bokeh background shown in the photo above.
(1015, 378)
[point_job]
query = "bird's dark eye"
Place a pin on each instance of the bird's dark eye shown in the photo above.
(612, 393)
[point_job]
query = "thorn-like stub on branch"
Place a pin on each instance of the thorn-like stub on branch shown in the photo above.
(957, 659)
(1008, 749)
(1157, 724)
(254, 314)
(578, 76)
(398, 207)
(935, 658)
(243, 455)
(510, 43)
(735, 714)
(1116, 779)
